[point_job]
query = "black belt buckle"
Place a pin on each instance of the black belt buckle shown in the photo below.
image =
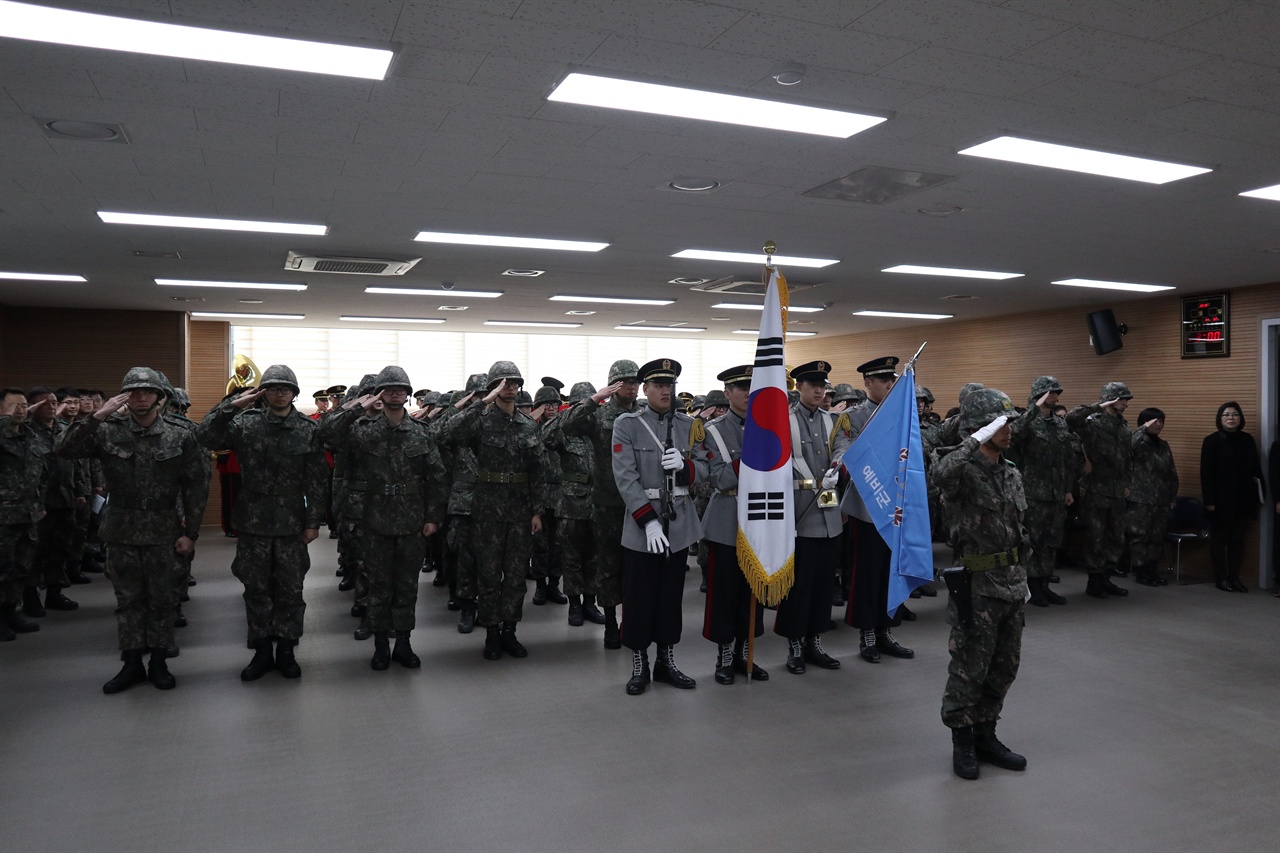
(393, 489)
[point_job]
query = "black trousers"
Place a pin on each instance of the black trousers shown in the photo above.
(1226, 547)
(652, 588)
(807, 608)
(728, 598)
(869, 592)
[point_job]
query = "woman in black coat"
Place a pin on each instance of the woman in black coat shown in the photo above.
(1230, 480)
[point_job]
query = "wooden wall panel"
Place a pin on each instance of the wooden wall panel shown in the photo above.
(1008, 352)
(210, 367)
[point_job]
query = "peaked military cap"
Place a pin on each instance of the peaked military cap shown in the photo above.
(741, 373)
(660, 370)
(552, 382)
(418, 395)
(883, 366)
(813, 371)
(322, 393)
(336, 390)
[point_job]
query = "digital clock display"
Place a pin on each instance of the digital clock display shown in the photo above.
(1205, 329)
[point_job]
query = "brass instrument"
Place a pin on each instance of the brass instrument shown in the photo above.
(244, 374)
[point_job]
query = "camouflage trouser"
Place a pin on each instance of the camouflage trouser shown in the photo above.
(272, 569)
(54, 549)
(607, 522)
(147, 580)
(1103, 520)
(462, 559)
(984, 661)
(1145, 527)
(548, 562)
(351, 559)
(17, 557)
(576, 542)
(500, 566)
(391, 565)
(1046, 523)
(77, 535)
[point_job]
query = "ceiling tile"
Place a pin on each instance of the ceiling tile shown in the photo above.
(676, 21)
(833, 13)
(968, 72)
(1084, 94)
(1244, 84)
(1110, 56)
(960, 25)
(1144, 19)
(429, 24)
(1246, 31)
(1223, 120)
(849, 50)
(366, 19)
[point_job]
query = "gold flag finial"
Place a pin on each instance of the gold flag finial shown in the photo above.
(769, 248)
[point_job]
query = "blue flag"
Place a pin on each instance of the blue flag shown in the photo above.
(886, 464)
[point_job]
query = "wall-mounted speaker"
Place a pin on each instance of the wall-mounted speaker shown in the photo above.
(1104, 333)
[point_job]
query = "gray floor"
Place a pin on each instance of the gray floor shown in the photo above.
(1149, 723)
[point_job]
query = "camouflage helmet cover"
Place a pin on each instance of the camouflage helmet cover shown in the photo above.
(1041, 385)
(279, 374)
(842, 393)
(477, 382)
(968, 388)
(623, 369)
(523, 399)
(142, 378)
(982, 406)
(716, 398)
(392, 376)
(547, 394)
(1115, 391)
(581, 391)
(503, 370)
(181, 398)
(928, 395)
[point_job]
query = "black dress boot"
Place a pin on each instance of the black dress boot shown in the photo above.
(510, 644)
(403, 652)
(795, 657)
(758, 673)
(554, 595)
(158, 671)
(133, 672)
(31, 605)
(665, 669)
(540, 592)
(575, 611)
(1096, 588)
(889, 645)
(868, 647)
(590, 612)
(55, 600)
(640, 676)
(987, 747)
(1037, 587)
(724, 663)
(612, 635)
(12, 619)
(381, 660)
(285, 661)
(262, 662)
(816, 655)
(467, 616)
(75, 575)
(493, 642)
(964, 761)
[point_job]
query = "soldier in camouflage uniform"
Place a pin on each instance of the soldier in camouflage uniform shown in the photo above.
(1109, 446)
(986, 617)
(348, 508)
(547, 560)
(574, 537)
(396, 478)
(66, 489)
(159, 481)
(1153, 490)
(593, 419)
(460, 460)
(281, 508)
(511, 491)
(1043, 451)
(22, 475)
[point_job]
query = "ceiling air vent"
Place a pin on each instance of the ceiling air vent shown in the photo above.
(349, 265)
(748, 286)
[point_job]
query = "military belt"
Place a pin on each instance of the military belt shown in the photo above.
(277, 489)
(502, 477)
(987, 562)
(728, 492)
(152, 503)
(390, 489)
(575, 478)
(654, 494)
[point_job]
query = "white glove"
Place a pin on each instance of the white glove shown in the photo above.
(990, 429)
(672, 460)
(655, 539)
(830, 478)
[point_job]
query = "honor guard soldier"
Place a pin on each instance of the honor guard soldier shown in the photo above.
(988, 586)
(806, 611)
(281, 508)
(657, 456)
(1109, 446)
(321, 401)
(396, 490)
(869, 593)
(728, 607)
(159, 481)
(593, 419)
(546, 548)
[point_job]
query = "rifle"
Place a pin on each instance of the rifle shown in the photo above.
(669, 477)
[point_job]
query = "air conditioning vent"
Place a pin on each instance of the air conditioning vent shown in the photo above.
(349, 265)
(746, 286)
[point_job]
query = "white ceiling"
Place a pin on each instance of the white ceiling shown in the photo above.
(459, 137)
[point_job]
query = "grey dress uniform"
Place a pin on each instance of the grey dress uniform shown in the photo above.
(728, 594)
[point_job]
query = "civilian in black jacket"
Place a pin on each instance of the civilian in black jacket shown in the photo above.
(1230, 480)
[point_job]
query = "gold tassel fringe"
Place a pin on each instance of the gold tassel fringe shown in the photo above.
(769, 589)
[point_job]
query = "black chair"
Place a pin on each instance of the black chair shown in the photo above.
(1186, 524)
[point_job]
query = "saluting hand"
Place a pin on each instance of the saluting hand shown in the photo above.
(495, 391)
(466, 398)
(369, 402)
(110, 407)
(1151, 423)
(245, 399)
(1108, 404)
(1044, 399)
(606, 392)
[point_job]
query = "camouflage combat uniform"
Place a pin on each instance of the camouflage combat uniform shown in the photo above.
(573, 508)
(23, 468)
(1108, 444)
(547, 561)
(1153, 487)
(460, 462)
(1045, 455)
(67, 480)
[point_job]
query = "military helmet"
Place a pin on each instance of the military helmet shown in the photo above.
(143, 378)
(365, 386)
(581, 391)
(968, 388)
(392, 376)
(842, 393)
(859, 396)
(623, 369)
(181, 399)
(928, 395)
(280, 374)
(431, 398)
(983, 406)
(1041, 385)
(477, 382)
(1115, 391)
(503, 370)
(716, 398)
(166, 387)
(524, 400)
(698, 403)
(547, 394)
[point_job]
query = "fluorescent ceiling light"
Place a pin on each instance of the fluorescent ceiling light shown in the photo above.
(416, 291)
(39, 276)
(1272, 193)
(249, 285)
(747, 258)
(509, 242)
(594, 91)
(351, 319)
(637, 328)
(1114, 285)
(532, 323)
(1033, 153)
(902, 314)
(84, 29)
(214, 224)
(610, 300)
(744, 306)
(247, 316)
(948, 271)
(789, 334)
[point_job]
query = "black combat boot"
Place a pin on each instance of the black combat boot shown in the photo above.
(987, 747)
(1037, 587)
(868, 646)
(467, 618)
(540, 592)
(1049, 595)
(381, 652)
(928, 590)
(554, 595)
(364, 630)
(702, 587)
(285, 661)
(906, 614)
(158, 671)
(640, 676)
(816, 655)
(31, 605)
(795, 656)
(55, 600)
(964, 761)
(12, 619)
(6, 633)
(75, 575)
(1145, 574)
(262, 661)
(1096, 588)
(510, 644)
(758, 673)
(493, 642)
(1111, 588)
(359, 611)
(889, 645)
(133, 672)
(179, 618)
(575, 611)
(612, 635)
(590, 612)
(665, 669)
(347, 583)
(724, 663)
(403, 652)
